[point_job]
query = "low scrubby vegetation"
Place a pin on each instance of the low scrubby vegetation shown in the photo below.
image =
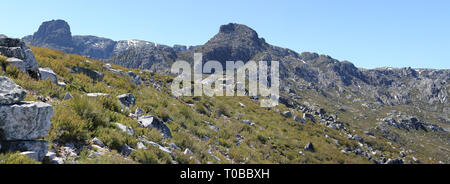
(272, 139)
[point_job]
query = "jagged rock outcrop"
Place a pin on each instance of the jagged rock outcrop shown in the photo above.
(93, 46)
(234, 42)
(56, 34)
(412, 123)
(53, 34)
(143, 55)
(19, 55)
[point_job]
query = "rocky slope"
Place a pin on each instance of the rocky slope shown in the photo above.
(238, 42)
(22, 123)
(404, 106)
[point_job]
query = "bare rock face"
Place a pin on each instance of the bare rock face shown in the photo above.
(142, 55)
(25, 121)
(10, 92)
(19, 54)
(234, 42)
(54, 33)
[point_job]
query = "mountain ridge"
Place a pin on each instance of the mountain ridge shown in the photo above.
(392, 110)
(240, 42)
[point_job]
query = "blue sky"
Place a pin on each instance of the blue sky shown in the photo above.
(369, 33)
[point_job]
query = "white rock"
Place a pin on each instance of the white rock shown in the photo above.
(141, 145)
(94, 95)
(61, 84)
(187, 151)
(25, 121)
(242, 105)
(153, 122)
(121, 127)
(10, 92)
(162, 148)
(47, 73)
(97, 142)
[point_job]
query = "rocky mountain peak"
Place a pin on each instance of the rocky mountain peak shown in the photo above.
(233, 42)
(233, 28)
(54, 32)
(233, 31)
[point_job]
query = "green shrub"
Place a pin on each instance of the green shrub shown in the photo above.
(108, 158)
(152, 134)
(182, 158)
(262, 139)
(114, 139)
(111, 104)
(199, 107)
(67, 126)
(162, 113)
(13, 72)
(223, 109)
(183, 140)
(145, 156)
(16, 158)
(91, 111)
(3, 63)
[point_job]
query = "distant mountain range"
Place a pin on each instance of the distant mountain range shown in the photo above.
(239, 42)
(405, 106)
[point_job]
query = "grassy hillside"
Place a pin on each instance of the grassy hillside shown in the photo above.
(273, 139)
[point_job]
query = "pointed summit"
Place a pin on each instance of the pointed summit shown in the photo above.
(240, 29)
(233, 42)
(54, 33)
